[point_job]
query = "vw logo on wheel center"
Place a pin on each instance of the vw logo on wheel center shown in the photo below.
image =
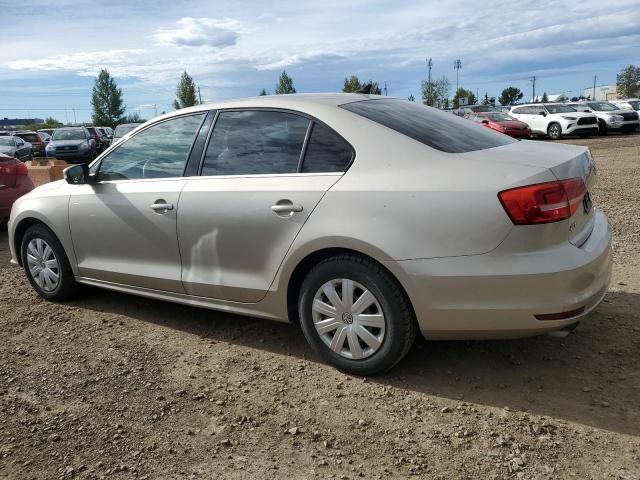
(347, 318)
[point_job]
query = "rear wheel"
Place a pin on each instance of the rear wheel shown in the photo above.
(46, 264)
(554, 131)
(356, 315)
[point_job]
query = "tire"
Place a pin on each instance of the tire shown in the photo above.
(602, 128)
(66, 286)
(554, 131)
(30, 155)
(394, 333)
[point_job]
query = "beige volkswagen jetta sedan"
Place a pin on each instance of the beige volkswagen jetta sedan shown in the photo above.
(362, 218)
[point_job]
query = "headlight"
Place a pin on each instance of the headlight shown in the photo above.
(50, 147)
(84, 146)
(616, 118)
(569, 118)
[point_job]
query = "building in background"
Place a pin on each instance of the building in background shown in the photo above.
(603, 93)
(13, 123)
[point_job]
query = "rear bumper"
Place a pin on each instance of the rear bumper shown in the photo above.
(498, 294)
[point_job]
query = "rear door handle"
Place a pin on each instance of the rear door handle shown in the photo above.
(286, 208)
(161, 207)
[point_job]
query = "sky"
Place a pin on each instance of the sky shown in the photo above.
(51, 51)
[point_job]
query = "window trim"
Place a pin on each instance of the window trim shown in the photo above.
(312, 121)
(95, 166)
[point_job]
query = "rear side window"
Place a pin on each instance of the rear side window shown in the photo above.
(326, 152)
(432, 127)
(255, 142)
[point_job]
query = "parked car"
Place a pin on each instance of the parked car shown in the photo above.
(100, 141)
(48, 131)
(627, 104)
(555, 120)
(72, 144)
(14, 182)
(16, 147)
(503, 123)
(106, 137)
(610, 117)
(38, 141)
(469, 109)
(364, 219)
(123, 129)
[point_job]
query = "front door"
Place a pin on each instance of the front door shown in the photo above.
(124, 226)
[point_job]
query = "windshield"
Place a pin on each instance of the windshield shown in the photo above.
(500, 117)
(634, 105)
(6, 142)
(603, 106)
(68, 135)
(559, 108)
(481, 108)
(430, 126)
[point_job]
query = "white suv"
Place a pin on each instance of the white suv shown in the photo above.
(555, 120)
(610, 116)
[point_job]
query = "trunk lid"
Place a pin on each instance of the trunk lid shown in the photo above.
(565, 162)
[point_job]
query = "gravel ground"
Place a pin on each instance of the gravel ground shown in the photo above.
(113, 386)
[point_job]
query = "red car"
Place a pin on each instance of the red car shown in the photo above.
(14, 182)
(503, 123)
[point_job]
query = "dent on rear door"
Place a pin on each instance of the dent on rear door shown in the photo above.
(231, 242)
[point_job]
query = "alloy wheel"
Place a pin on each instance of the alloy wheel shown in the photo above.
(43, 265)
(348, 318)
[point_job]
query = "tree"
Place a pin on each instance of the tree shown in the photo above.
(628, 82)
(462, 93)
(353, 84)
(106, 100)
(134, 117)
(285, 84)
(510, 95)
(185, 93)
(438, 95)
(545, 98)
(411, 98)
(263, 93)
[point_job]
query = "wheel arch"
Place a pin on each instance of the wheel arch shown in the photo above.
(306, 263)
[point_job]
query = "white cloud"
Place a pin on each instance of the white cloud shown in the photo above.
(200, 32)
(290, 60)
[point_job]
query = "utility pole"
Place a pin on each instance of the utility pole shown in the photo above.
(457, 65)
(75, 122)
(594, 87)
(429, 100)
(199, 96)
(533, 81)
(385, 89)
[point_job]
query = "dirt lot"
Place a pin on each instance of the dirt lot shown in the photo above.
(113, 386)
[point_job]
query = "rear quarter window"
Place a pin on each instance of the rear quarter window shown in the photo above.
(432, 127)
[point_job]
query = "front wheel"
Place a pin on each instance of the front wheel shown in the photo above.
(46, 264)
(602, 128)
(356, 315)
(554, 131)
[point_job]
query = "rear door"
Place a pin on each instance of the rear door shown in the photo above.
(262, 175)
(124, 227)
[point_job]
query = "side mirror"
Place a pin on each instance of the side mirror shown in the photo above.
(486, 122)
(78, 174)
(544, 114)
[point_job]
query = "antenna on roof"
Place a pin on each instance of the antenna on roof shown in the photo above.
(366, 89)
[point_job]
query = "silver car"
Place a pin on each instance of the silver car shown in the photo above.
(365, 219)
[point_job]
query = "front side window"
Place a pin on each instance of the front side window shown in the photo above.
(432, 127)
(160, 151)
(326, 152)
(255, 142)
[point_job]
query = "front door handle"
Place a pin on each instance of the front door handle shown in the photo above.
(286, 208)
(161, 206)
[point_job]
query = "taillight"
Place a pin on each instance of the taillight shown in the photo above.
(21, 169)
(543, 202)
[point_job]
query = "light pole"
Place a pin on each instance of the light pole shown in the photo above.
(457, 65)
(429, 102)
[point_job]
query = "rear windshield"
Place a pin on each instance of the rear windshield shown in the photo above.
(28, 137)
(432, 127)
